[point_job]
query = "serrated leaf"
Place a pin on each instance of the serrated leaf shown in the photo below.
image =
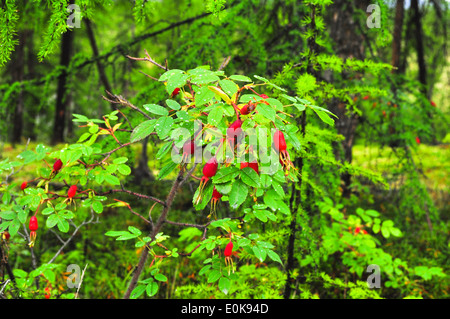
(224, 285)
(250, 177)
(164, 149)
(163, 126)
(261, 215)
(143, 130)
(229, 87)
(241, 78)
(167, 169)
(174, 105)
(156, 109)
(267, 111)
(215, 116)
(238, 194)
(225, 174)
(274, 256)
(203, 96)
(213, 276)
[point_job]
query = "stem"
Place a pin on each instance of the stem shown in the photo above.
(156, 229)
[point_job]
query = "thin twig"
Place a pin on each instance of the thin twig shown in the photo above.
(81, 280)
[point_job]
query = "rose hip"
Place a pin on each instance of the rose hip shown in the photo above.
(72, 191)
(33, 225)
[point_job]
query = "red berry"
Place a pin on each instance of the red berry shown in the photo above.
(433, 104)
(234, 129)
(175, 92)
(210, 168)
(263, 96)
(228, 249)
(366, 97)
(364, 232)
(279, 142)
(247, 108)
(357, 230)
(24, 185)
(72, 191)
(417, 140)
(6, 235)
(189, 147)
(216, 195)
(57, 166)
(33, 225)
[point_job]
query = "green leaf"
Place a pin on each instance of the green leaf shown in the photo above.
(167, 169)
(52, 220)
(134, 230)
(214, 275)
(156, 109)
(63, 225)
(124, 169)
(229, 87)
(176, 80)
(267, 111)
(120, 160)
(238, 194)
(226, 174)
(215, 116)
(225, 285)
(168, 74)
(385, 231)
(241, 78)
(174, 105)
(111, 179)
(274, 256)
(138, 291)
(258, 252)
(152, 289)
(324, 117)
(250, 177)
(261, 215)
(143, 130)
(203, 96)
(277, 187)
(97, 207)
(161, 277)
(163, 126)
(164, 149)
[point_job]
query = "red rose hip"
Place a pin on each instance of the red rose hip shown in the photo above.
(72, 191)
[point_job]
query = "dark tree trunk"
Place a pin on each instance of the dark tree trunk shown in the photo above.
(61, 102)
(419, 44)
(100, 67)
(17, 76)
(397, 40)
(349, 43)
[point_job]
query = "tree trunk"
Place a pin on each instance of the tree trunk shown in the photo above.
(61, 102)
(17, 74)
(349, 44)
(419, 45)
(100, 67)
(397, 40)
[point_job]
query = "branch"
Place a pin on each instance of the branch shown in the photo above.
(70, 238)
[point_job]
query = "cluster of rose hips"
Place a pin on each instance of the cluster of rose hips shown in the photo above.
(232, 139)
(33, 223)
